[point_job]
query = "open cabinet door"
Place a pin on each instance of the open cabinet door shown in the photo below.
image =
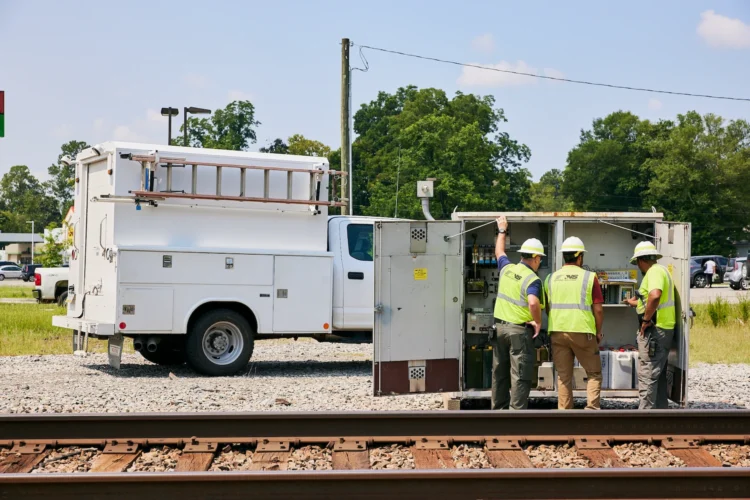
(673, 241)
(418, 304)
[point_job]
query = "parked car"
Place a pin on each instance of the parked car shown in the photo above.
(729, 269)
(737, 278)
(10, 271)
(7, 263)
(697, 278)
(28, 271)
(722, 264)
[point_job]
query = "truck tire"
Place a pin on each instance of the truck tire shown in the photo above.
(171, 351)
(219, 343)
(62, 298)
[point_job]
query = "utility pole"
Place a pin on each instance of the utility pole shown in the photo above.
(346, 153)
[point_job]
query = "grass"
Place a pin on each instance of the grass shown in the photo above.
(728, 342)
(16, 292)
(26, 329)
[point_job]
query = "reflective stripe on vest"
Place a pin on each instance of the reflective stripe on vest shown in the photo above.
(670, 294)
(507, 306)
(570, 304)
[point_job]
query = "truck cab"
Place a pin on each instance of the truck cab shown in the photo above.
(350, 241)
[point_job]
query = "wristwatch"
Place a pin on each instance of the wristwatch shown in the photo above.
(501, 231)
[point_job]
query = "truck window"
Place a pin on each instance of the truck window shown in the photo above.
(360, 241)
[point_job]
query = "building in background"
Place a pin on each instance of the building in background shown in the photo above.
(16, 247)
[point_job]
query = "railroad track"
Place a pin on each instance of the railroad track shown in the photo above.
(534, 454)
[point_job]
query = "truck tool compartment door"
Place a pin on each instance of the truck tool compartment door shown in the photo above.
(418, 304)
(673, 242)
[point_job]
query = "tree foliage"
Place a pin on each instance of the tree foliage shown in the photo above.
(605, 171)
(278, 146)
(547, 194)
(23, 198)
(62, 176)
(416, 134)
(692, 169)
(699, 174)
(301, 145)
(51, 254)
(230, 128)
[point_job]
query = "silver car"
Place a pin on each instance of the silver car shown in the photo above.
(10, 271)
(737, 280)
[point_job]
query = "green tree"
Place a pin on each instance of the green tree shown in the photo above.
(547, 194)
(62, 176)
(415, 134)
(230, 128)
(23, 198)
(51, 254)
(605, 171)
(300, 145)
(699, 174)
(278, 146)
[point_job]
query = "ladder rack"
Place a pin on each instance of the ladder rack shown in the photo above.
(148, 162)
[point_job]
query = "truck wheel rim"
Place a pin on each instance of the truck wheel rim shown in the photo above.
(222, 343)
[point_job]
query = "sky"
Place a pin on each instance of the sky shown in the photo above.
(97, 71)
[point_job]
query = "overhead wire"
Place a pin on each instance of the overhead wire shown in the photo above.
(547, 77)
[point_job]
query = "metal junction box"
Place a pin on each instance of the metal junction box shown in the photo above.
(418, 306)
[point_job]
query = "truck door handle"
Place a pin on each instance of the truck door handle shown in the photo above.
(356, 276)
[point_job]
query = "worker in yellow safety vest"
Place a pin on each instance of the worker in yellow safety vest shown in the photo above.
(656, 313)
(518, 319)
(575, 318)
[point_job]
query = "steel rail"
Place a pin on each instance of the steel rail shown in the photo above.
(454, 484)
(705, 423)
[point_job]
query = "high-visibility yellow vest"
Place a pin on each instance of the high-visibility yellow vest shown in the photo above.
(570, 295)
(658, 277)
(511, 304)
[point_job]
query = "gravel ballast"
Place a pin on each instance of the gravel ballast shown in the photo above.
(546, 456)
(646, 455)
(284, 375)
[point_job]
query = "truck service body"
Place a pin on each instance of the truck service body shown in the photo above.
(167, 245)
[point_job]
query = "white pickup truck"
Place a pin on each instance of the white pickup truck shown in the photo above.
(51, 284)
(196, 253)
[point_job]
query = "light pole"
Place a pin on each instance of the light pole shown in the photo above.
(170, 112)
(32, 239)
(194, 111)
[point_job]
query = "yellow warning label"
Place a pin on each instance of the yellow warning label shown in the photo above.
(420, 274)
(633, 274)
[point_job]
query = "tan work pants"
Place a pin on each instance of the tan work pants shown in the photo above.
(584, 347)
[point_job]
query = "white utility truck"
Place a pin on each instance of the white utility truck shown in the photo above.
(196, 253)
(436, 283)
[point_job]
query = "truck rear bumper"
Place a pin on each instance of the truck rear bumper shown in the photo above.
(92, 327)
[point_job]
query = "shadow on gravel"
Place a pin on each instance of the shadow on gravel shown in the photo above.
(281, 369)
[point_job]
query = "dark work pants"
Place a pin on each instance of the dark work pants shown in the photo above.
(512, 367)
(652, 370)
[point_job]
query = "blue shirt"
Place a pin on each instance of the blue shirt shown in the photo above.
(535, 288)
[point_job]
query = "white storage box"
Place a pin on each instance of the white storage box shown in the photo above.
(621, 370)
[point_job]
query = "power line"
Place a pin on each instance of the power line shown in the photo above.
(558, 79)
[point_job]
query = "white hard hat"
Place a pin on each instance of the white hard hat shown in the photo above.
(643, 249)
(533, 246)
(573, 244)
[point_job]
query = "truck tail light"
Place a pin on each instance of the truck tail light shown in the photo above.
(37, 279)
